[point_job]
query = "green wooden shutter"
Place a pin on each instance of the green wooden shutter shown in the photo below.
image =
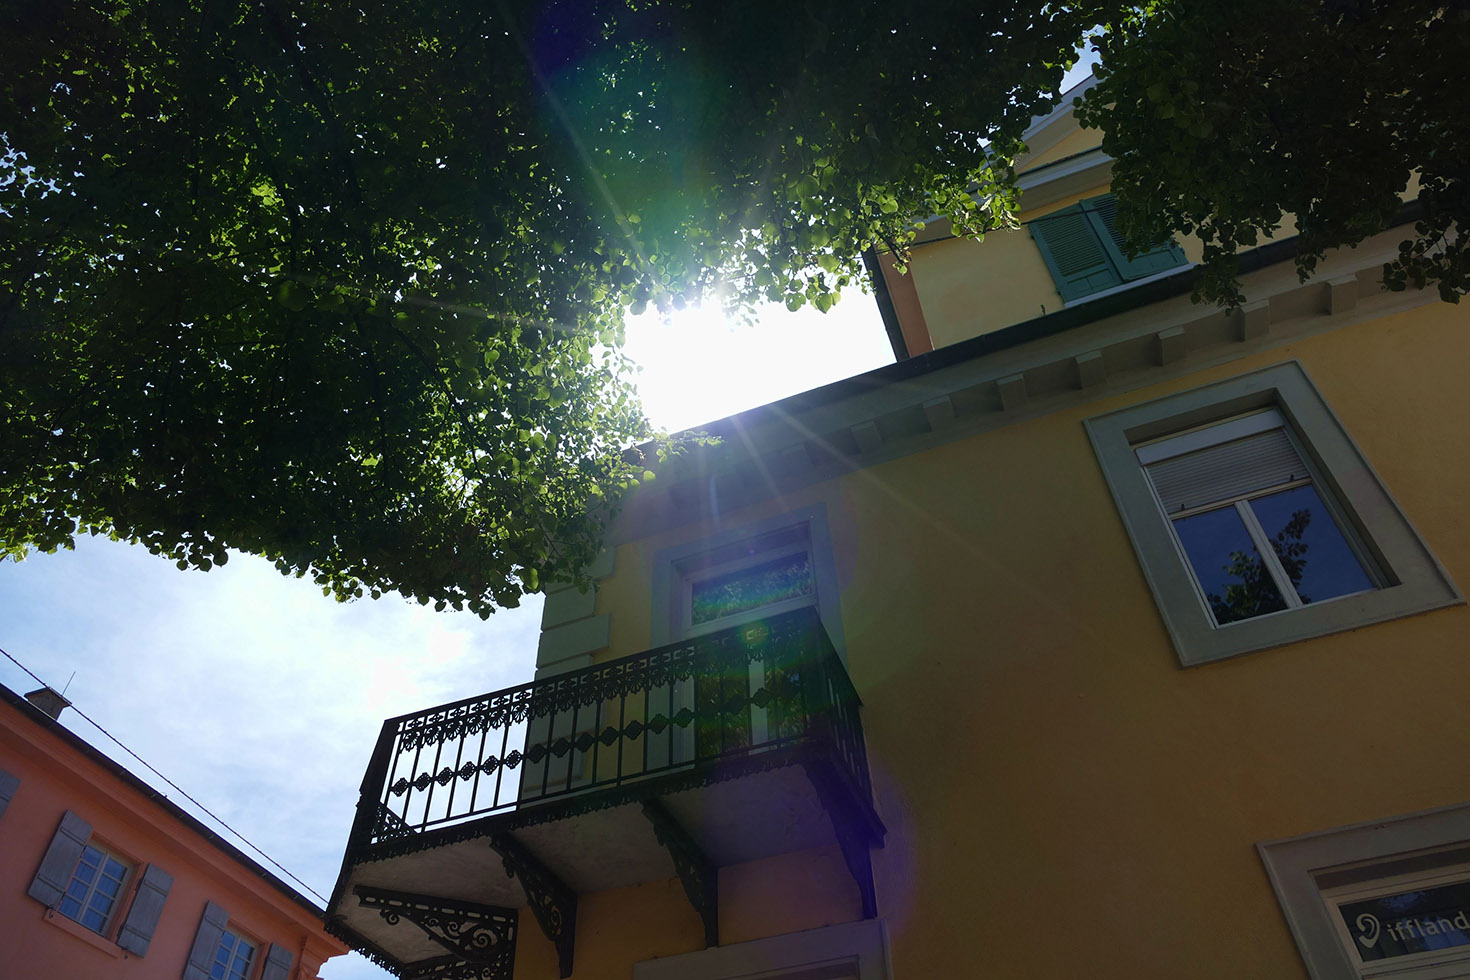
(1103, 213)
(206, 942)
(137, 928)
(1072, 250)
(61, 860)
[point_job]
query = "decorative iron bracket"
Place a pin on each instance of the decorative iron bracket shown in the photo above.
(855, 834)
(482, 938)
(699, 875)
(552, 901)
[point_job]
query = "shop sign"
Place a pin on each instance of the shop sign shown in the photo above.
(1410, 922)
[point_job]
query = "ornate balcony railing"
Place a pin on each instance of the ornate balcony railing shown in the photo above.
(704, 707)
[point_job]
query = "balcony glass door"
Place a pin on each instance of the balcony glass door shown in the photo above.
(737, 584)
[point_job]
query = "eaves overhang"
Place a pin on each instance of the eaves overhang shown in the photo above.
(1115, 342)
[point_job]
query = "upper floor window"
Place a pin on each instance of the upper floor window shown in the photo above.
(758, 577)
(1256, 520)
(1250, 519)
(1085, 253)
(233, 959)
(95, 888)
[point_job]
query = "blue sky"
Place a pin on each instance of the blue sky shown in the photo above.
(262, 698)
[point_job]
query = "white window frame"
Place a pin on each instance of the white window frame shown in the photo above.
(671, 565)
(677, 568)
(1431, 963)
(692, 573)
(849, 951)
(1313, 873)
(1412, 581)
(1220, 433)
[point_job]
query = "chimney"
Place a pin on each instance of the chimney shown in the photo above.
(49, 701)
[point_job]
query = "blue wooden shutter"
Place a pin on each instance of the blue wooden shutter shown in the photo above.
(1073, 252)
(137, 928)
(9, 783)
(206, 942)
(1103, 212)
(61, 860)
(277, 964)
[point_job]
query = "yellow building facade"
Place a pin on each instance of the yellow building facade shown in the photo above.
(1151, 610)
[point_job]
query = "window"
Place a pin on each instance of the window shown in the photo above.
(1387, 898)
(1249, 518)
(95, 888)
(233, 959)
(88, 883)
(757, 577)
(1085, 253)
(221, 952)
(746, 574)
(1256, 520)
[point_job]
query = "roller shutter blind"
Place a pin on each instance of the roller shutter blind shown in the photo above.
(1227, 471)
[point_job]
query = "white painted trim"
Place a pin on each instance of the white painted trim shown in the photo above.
(1131, 284)
(850, 951)
(1295, 864)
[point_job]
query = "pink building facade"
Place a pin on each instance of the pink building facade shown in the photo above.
(102, 877)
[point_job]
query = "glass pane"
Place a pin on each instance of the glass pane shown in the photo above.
(1227, 565)
(70, 907)
(243, 955)
(94, 920)
(719, 596)
(1313, 551)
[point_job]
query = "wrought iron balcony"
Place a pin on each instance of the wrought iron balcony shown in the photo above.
(734, 745)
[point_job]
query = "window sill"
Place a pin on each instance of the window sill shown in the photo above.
(84, 934)
(1124, 287)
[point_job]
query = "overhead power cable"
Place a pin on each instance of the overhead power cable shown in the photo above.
(175, 786)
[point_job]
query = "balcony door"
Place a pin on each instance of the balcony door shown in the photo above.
(724, 587)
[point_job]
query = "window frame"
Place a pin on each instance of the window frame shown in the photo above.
(1225, 432)
(791, 541)
(1411, 580)
(675, 566)
(125, 887)
(253, 968)
(1310, 874)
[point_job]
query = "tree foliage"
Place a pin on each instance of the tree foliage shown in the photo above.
(335, 283)
(1226, 119)
(342, 284)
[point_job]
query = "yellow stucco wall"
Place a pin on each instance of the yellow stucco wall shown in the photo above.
(1063, 800)
(1075, 142)
(968, 288)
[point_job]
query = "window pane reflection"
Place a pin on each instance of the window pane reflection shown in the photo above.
(1227, 565)
(784, 578)
(1313, 551)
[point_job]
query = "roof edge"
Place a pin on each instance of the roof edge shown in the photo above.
(134, 782)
